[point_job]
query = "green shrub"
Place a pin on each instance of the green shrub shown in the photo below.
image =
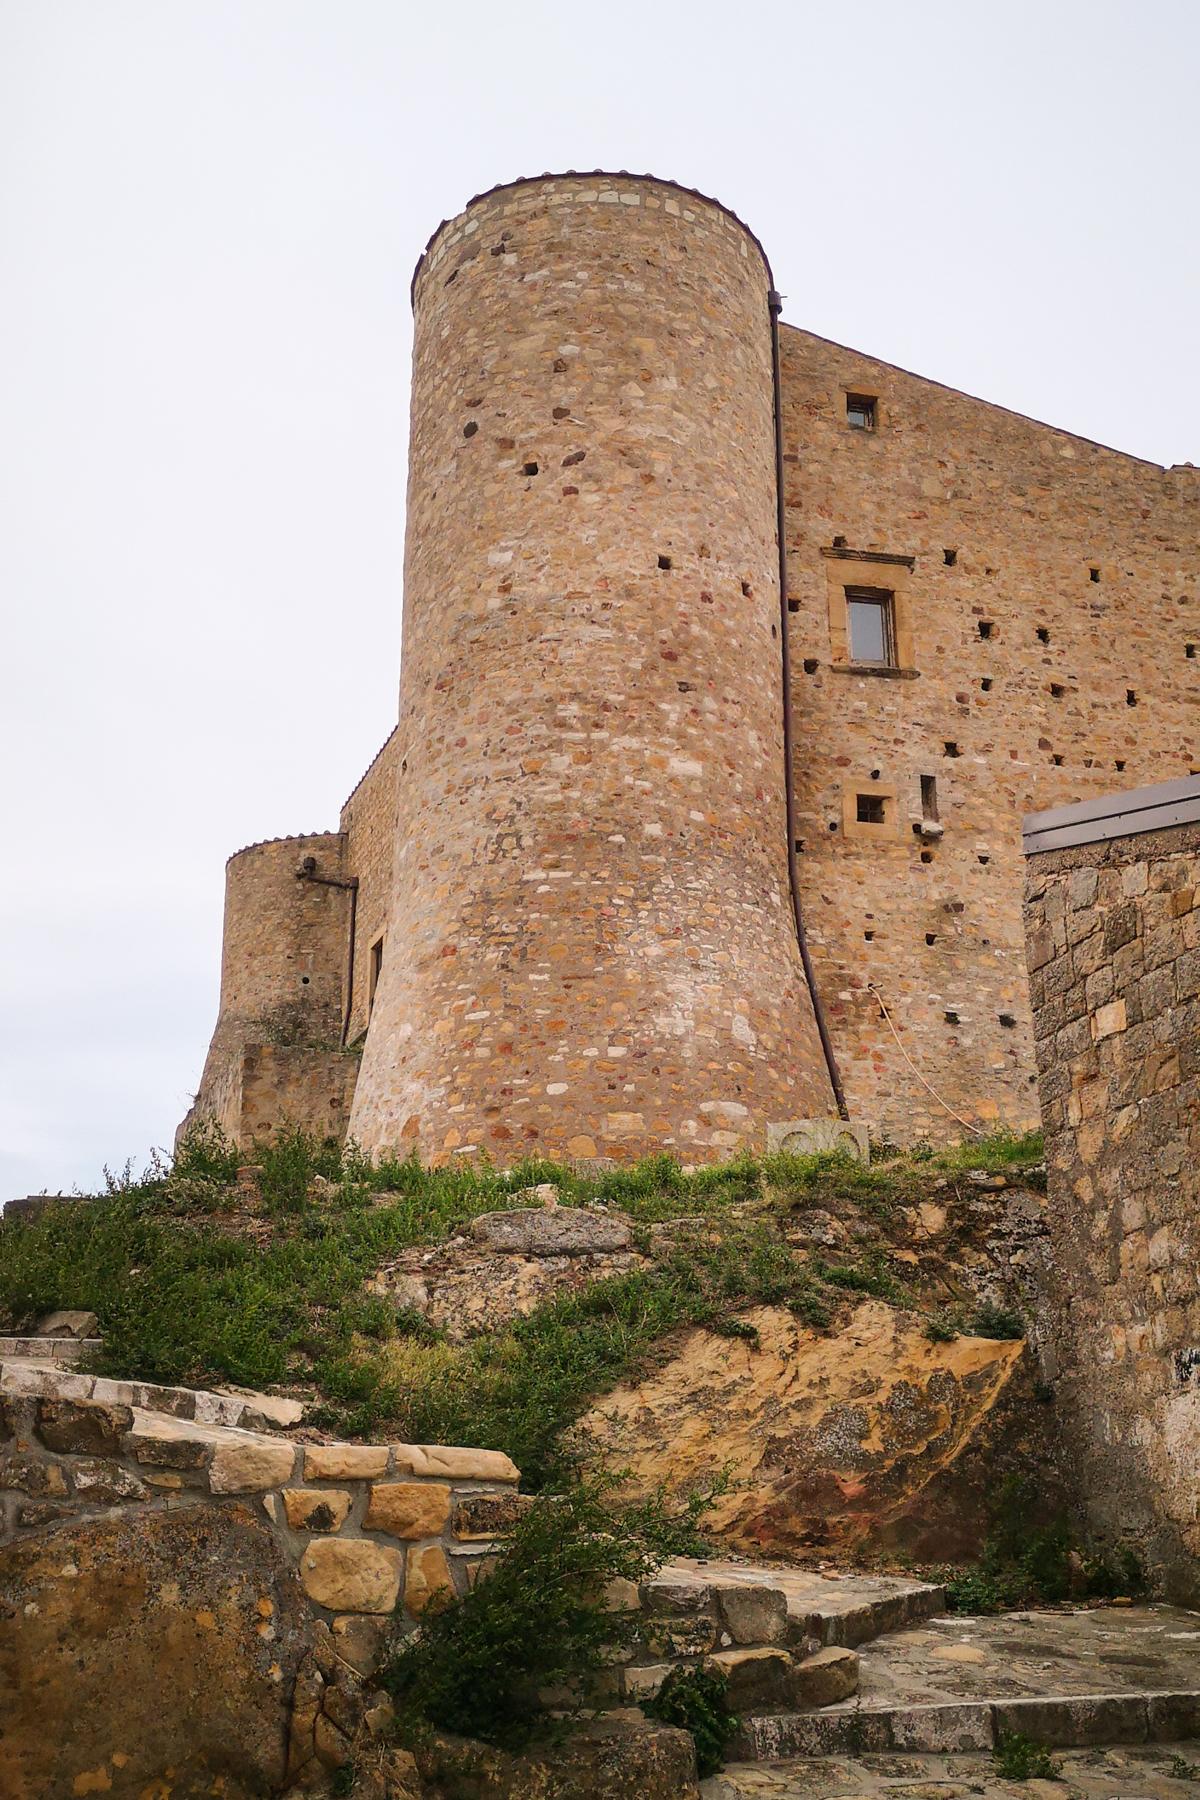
(1019, 1758)
(698, 1701)
(992, 1321)
(480, 1667)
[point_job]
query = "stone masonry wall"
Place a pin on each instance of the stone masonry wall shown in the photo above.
(368, 824)
(1045, 623)
(591, 948)
(1114, 959)
(284, 951)
(376, 1533)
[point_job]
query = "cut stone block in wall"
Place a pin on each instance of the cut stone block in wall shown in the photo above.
(1113, 936)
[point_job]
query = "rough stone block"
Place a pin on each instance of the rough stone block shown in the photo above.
(250, 1467)
(106, 1483)
(67, 1324)
(456, 1464)
(31, 1476)
(316, 1509)
(429, 1584)
(758, 1679)
(1172, 1717)
(679, 1637)
(488, 1515)
(552, 1231)
(643, 1682)
(409, 1509)
(352, 1575)
(82, 1427)
(358, 1641)
(1079, 1719)
(166, 1443)
(943, 1729)
(825, 1678)
(344, 1462)
(754, 1615)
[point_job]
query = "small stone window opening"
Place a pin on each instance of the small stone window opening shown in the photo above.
(793, 606)
(839, 543)
(1057, 689)
(470, 428)
(929, 797)
(869, 936)
(664, 562)
(746, 589)
(983, 858)
(871, 625)
(1043, 634)
(798, 846)
(1119, 765)
(986, 684)
(949, 557)
(1130, 697)
(374, 972)
(1094, 573)
(931, 937)
(860, 411)
(1007, 1020)
(951, 1016)
(986, 628)
(1057, 761)
(950, 748)
(810, 665)
(529, 468)
(870, 809)
(927, 856)
(1189, 650)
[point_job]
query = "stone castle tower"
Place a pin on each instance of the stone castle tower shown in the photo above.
(645, 763)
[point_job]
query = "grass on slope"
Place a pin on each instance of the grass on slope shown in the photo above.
(192, 1285)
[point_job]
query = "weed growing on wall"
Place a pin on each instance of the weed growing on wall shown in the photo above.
(697, 1700)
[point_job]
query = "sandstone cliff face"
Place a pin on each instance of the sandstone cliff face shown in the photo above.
(148, 1656)
(870, 1438)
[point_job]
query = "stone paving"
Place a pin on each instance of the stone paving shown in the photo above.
(1132, 1772)
(1102, 1650)
(845, 1607)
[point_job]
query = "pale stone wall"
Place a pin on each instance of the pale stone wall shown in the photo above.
(592, 947)
(284, 951)
(368, 825)
(1028, 512)
(1114, 958)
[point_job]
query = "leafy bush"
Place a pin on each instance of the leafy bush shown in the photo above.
(1019, 1758)
(482, 1665)
(1031, 1557)
(992, 1321)
(698, 1701)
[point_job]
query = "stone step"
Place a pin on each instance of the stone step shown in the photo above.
(842, 1609)
(1062, 1721)
(38, 1374)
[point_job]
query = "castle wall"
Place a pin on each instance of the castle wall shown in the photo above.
(591, 943)
(1114, 958)
(284, 952)
(368, 825)
(933, 924)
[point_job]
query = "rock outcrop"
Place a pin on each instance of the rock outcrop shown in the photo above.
(872, 1436)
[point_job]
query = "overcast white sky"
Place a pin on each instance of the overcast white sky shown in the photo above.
(209, 214)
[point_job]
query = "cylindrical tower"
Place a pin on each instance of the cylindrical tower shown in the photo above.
(591, 948)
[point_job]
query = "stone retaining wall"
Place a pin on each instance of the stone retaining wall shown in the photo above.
(1113, 935)
(376, 1531)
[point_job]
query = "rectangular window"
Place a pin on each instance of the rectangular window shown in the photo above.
(870, 618)
(376, 970)
(929, 799)
(871, 809)
(860, 411)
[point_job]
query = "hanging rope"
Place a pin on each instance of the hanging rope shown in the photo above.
(973, 1129)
